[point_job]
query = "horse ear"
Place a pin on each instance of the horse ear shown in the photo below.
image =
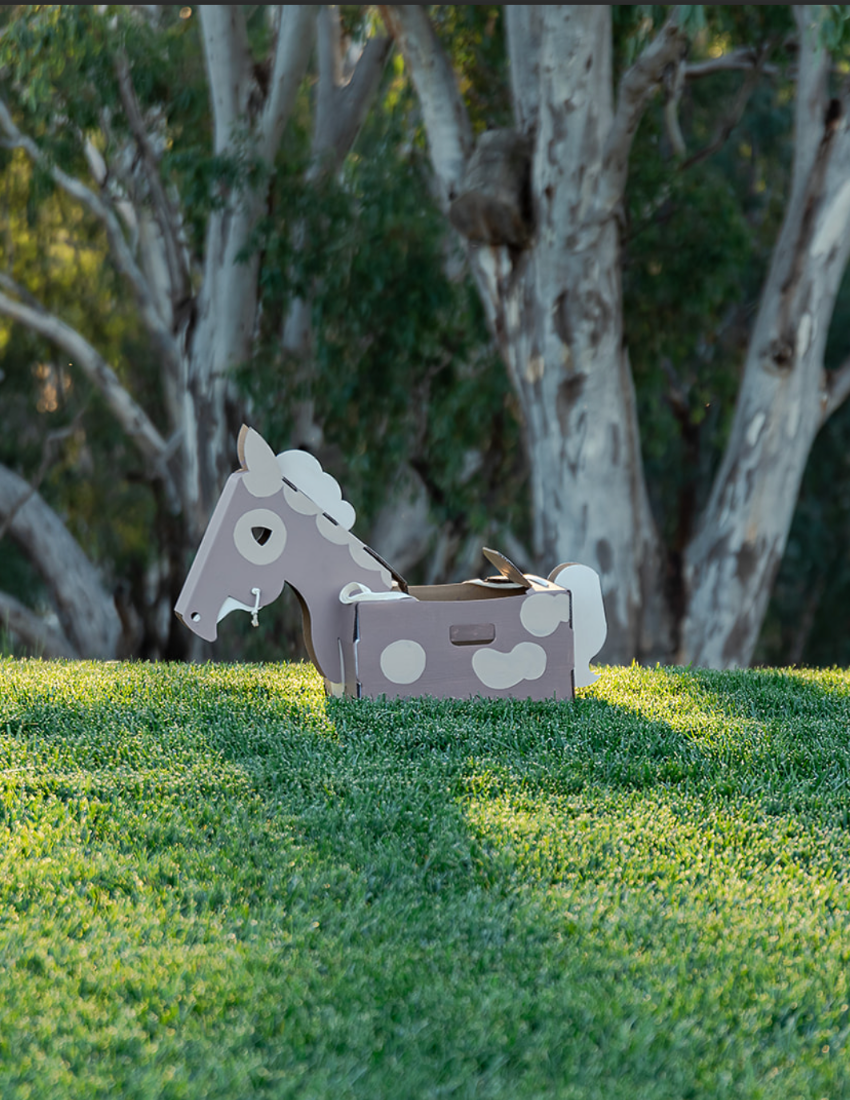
(262, 473)
(240, 445)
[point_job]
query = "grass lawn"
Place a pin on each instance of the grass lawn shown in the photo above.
(215, 884)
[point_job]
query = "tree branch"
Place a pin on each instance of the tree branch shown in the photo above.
(87, 613)
(131, 416)
(121, 253)
(674, 83)
(103, 177)
(291, 55)
(9, 284)
(354, 98)
(229, 69)
(810, 101)
(37, 635)
(736, 61)
(50, 440)
(729, 123)
(341, 106)
(165, 214)
(329, 56)
(446, 120)
(637, 85)
(837, 391)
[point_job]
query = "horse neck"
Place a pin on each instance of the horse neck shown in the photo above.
(320, 556)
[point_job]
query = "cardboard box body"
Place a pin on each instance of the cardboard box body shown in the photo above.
(464, 648)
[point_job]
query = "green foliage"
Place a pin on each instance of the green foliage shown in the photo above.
(213, 884)
(402, 370)
(697, 244)
(59, 64)
(45, 49)
(473, 36)
(834, 28)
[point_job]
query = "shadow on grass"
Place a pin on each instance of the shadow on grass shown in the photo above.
(642, 892)
(639, 894)
(776, 737)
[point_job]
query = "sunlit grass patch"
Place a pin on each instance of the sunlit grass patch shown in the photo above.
(214, 883)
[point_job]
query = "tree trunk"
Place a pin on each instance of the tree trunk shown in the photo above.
(731, 563)
(561, 337)
(342, 101)
(35, 633)
(87, 614)
(556, 311)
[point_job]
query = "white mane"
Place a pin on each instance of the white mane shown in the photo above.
(306, 473)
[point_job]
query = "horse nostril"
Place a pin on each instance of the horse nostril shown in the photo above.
(195, 617)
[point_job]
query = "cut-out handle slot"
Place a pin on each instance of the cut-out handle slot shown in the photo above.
(472, 634)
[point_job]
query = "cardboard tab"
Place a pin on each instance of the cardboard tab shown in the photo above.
(506, 567)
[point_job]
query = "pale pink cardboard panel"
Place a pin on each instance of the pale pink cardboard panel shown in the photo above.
(305, 548)
(407, 649)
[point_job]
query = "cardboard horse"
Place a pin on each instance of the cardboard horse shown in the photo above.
(281, 519)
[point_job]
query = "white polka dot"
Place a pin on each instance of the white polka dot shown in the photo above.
(526, 661)
(403, 661)
(542, 614)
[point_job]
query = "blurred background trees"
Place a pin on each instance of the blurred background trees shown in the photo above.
(361, 333)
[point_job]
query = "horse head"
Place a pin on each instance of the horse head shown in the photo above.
(281, 518)
(238, 566)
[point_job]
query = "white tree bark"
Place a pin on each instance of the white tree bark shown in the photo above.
(39, 637)
(556, 309)
(90, 624)
(731, 563)
(200, 333)
(342, 98)
(556, 312)
(446, 120)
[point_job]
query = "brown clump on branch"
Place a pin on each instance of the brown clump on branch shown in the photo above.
(494, 203)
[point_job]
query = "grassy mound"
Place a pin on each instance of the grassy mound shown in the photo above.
(215, 884)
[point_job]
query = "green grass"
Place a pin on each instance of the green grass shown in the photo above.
(214, 884)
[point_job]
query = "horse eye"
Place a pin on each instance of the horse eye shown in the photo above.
(261, 535)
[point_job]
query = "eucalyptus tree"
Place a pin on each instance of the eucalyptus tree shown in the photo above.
(167, 139)
(542, 203)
